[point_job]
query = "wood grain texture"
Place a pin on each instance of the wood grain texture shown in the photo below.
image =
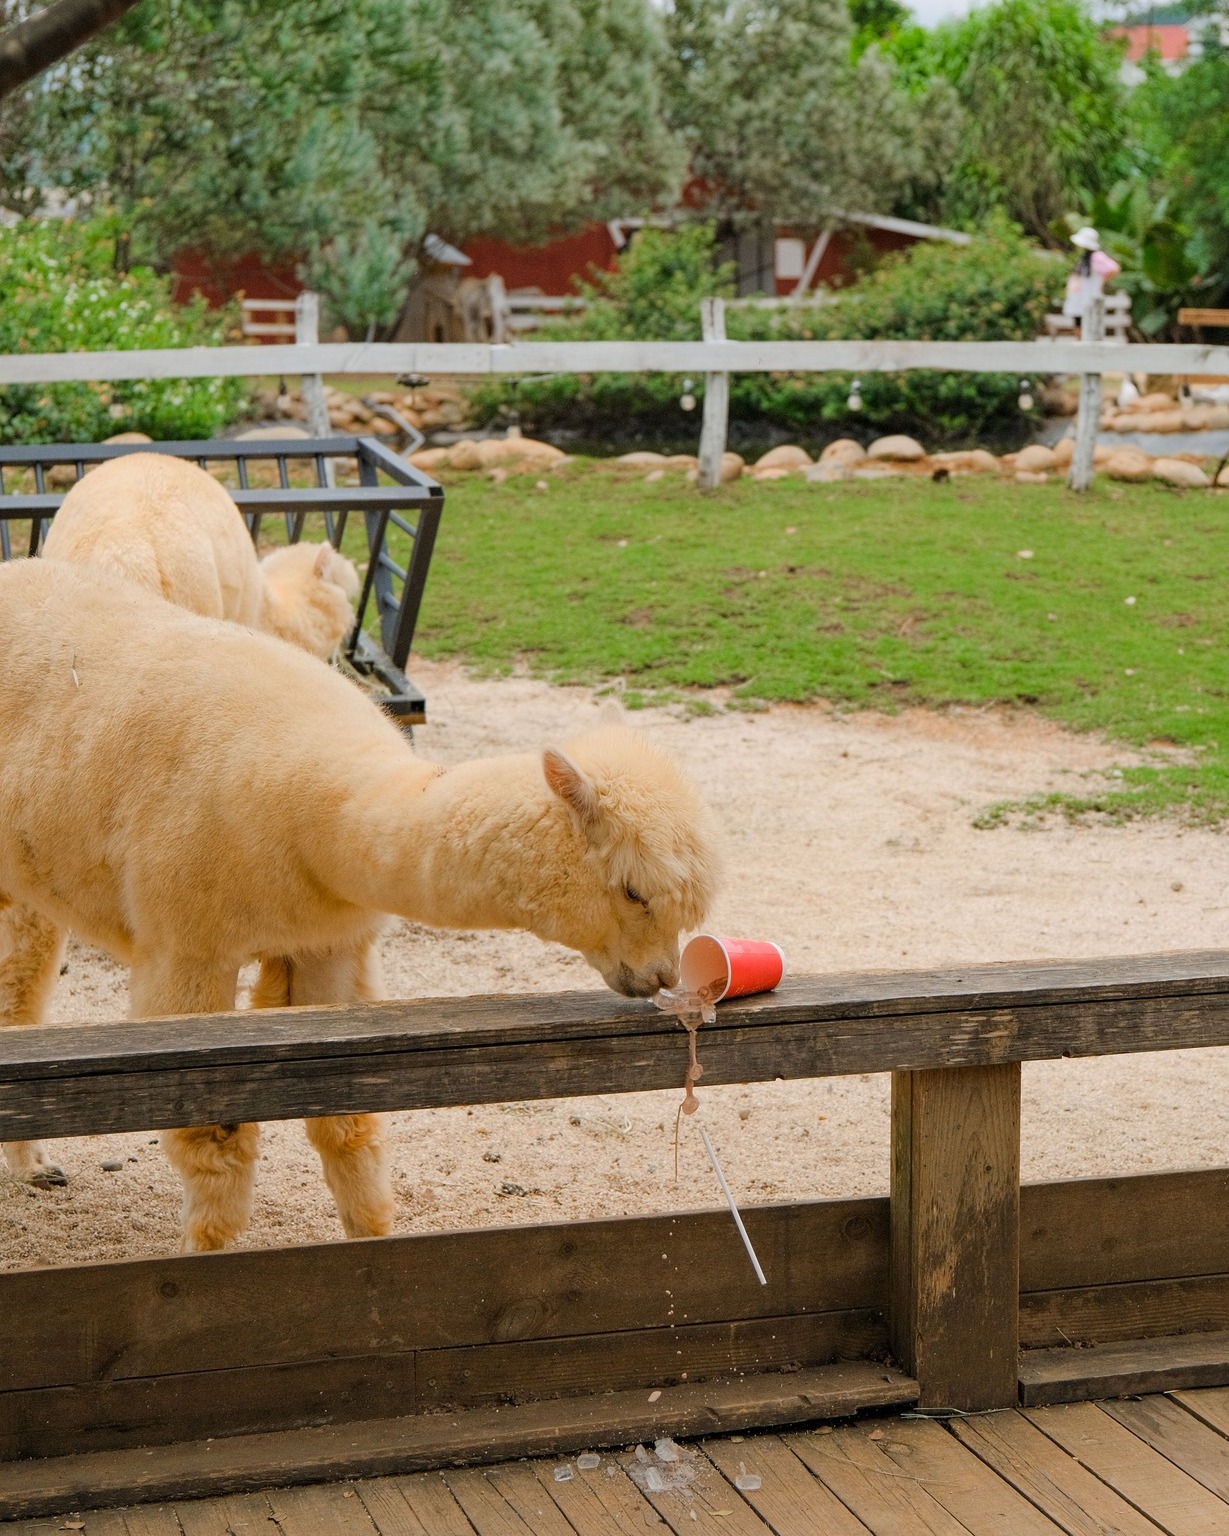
(323, 1510)
(1050, 1478)
(955, 1233)
(1167, 1427)
(789, 1498)
(708, 1506)
(869, 1483)
(1210, 1406)
(420, 1505)
(1121, 1370)
(144, 1318)
(377, 1448)
(1106, 1314)
(244, 1514)
(1167, 1495)
(284, 1063)
(598, 1504)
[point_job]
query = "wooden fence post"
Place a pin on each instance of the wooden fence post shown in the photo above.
(1088, 418)
(307, 334)
(716, 399)
(955, 1220)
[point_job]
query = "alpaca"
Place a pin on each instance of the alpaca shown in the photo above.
(170, 527)
(146, 808)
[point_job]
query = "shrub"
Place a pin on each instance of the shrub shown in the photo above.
(998, 287)
(59, 292)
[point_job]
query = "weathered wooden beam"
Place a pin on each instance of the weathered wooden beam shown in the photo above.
(956, 1234)
(693, 357)
(716, 401)
(286, 1063)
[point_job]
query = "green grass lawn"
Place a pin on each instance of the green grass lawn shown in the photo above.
(1105, 612)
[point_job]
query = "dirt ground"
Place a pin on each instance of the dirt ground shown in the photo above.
(850, 841)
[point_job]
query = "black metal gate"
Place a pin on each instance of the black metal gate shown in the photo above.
(409, 506)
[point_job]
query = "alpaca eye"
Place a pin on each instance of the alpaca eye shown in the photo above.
(633, 894)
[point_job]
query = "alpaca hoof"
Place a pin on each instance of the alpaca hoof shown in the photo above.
(49, 1177)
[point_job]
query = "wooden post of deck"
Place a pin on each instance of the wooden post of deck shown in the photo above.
(1088, 414)
(716, 400)
(955, 1249)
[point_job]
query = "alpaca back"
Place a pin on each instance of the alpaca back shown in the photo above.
(165, 524)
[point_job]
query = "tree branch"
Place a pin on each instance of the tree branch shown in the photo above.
(33, 45)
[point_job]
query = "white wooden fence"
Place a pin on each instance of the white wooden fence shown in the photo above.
(712, 357)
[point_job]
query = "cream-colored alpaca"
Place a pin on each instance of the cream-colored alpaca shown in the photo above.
(170, 527)
(146, 808)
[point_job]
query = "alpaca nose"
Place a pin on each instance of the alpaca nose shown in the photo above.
(667, 977)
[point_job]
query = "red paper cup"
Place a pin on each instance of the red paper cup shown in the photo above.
(737, 966)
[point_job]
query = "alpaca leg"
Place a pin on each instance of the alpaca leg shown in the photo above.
(216, 1163)
(31, 952)
(351, 1147)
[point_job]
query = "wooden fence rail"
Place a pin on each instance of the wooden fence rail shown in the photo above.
(519, 1332)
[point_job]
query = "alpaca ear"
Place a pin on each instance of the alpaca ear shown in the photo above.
(324, 558)
(570, 784)
(612, 713)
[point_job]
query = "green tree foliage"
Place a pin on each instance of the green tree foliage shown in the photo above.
(275, 125)
(784, 125)
(1043, 108)
(655, 290)
(1183, 124)
(364, 277)
(59, 292)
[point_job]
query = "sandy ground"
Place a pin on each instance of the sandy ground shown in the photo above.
(850, 841)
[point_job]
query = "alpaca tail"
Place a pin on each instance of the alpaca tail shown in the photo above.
(272, 987)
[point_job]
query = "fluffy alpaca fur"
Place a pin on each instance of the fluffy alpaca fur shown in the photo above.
(170, 527)
(145, 808)
(165, 524)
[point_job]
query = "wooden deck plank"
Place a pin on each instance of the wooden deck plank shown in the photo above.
(707, 1506)
(1145, 1478)
(1167, 1427)
(790, 1499)
(598, 1503)
(322, 1510)
(524, 1488)
(418, 1505)
(983, 1502)
(1135, 1367)
(152, 1520)
(887, 1501)
(485, 1506)
(1211, 1405)
(240, 1514)
(1049, 1477)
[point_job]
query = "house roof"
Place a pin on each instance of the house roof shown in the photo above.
(1171, 41)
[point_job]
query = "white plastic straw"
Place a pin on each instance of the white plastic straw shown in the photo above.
(729, 1200)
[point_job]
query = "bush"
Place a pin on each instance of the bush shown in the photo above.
(998, 287)
(59, 292)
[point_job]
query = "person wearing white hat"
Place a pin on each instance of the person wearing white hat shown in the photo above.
(1091, 270)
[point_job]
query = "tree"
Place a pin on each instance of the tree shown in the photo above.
(783, 124)
(1043, 107)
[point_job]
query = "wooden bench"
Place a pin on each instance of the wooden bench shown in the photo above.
(183, 1375)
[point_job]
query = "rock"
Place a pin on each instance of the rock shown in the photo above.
(896, 447)
(133, 437)
(1131, 464)
(1152, 421)
(464, 455)
(876, 471)
(966, 461)
(1064, 452)
(1158, 400)
(732, 466)
(1179, 472)
(788, 456)
(1031, 477)
(1035, 459)
(514, 450)
(773, 472)
(1223, 478)
(641, 458)
(270, 434)
(843, 451)
(429, 458)
(1102, 454)
(682, 461)
(1197, 418)
(653, 475)
(825, 474)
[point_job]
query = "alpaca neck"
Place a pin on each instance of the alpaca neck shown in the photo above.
(462, 847)
(284, 617)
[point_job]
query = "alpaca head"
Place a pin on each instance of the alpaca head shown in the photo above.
(312, 587)
(638, 862)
